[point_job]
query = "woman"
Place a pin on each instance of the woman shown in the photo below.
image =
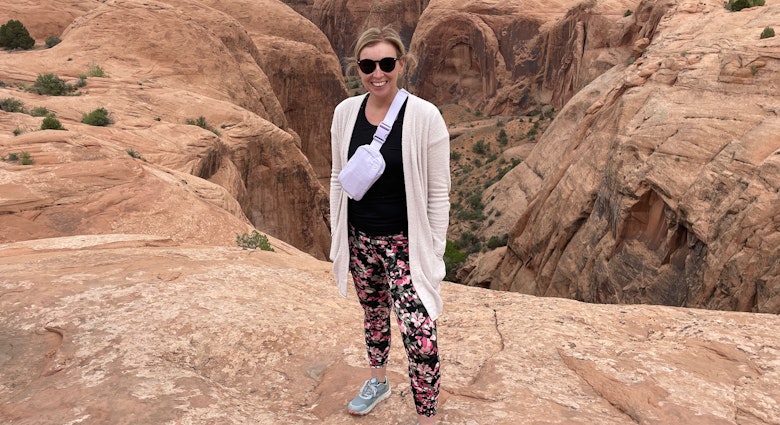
(392, 241)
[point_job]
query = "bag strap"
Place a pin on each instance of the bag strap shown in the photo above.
(383, 129)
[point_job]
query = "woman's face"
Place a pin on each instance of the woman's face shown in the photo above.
(379, 83)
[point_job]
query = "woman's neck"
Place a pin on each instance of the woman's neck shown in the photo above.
(377, 107)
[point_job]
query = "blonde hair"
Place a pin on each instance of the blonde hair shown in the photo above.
(376, 35)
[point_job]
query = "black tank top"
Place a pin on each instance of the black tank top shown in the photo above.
(382, 210)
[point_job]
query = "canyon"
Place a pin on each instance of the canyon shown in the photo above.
(639, 282)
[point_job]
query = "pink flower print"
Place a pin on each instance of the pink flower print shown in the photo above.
(425, 344)
(417, 319)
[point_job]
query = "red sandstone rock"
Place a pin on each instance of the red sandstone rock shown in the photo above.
(132, 329)
(664, 186)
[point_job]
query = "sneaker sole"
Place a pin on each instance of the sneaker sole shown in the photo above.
(370, 407)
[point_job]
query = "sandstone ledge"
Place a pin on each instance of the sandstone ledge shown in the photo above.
(138, 330)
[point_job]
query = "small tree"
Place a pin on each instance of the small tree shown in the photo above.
(13, 35)
(768, 32)
(51, 123)
(98, 117)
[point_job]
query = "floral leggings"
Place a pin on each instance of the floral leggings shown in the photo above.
(380, 269)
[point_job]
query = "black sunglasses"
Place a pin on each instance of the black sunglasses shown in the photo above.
(367, 66)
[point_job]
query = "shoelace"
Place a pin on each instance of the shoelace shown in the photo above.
(369, 390)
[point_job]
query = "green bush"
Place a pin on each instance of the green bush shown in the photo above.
(503, 139)
(768, 32)
(98, 117)
(40, 111)
(201, 122)
(23, 158)
(13, 35)
(253, 241)
(51, 123)
(453, 259)
(50, 84)
(10, 104)
(95, 71)
(52, 41)
(469, 242)
(495, 241)
(481, 148)
(629, 12)
(737, 5)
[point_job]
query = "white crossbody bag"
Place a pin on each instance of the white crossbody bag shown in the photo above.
(367, 164)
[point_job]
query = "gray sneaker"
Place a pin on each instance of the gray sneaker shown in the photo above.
(372, 393)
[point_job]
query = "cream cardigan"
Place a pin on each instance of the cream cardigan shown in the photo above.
(426, 161)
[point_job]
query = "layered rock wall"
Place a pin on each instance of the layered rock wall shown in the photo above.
(664, 189)
(507, 57)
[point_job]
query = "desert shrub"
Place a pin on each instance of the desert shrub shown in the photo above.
(253, 241)
(455, 156)
(768, 32)
(481, 148)
(737, 5)
(475, 202)
(51, 85)
(18, 131)
(95, 71)
(496, 241)
(39, 111)
(201, 122)
(50, 122)
(469, 243)
(98, 117)
(23, 158)
(629, 12)
(453, 259)
(13, 35)
(10, 104)
(133, 153)
(503, 139)
(52, 41)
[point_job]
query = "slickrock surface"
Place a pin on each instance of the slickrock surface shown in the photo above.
(133, 329)
(165, 63)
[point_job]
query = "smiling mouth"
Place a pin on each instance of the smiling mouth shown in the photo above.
(379, 84)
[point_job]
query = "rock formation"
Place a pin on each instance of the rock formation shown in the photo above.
(136, 329)
(495, 55)
(302, 68)
(167, 63)
(342, 21)
(664, 186)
